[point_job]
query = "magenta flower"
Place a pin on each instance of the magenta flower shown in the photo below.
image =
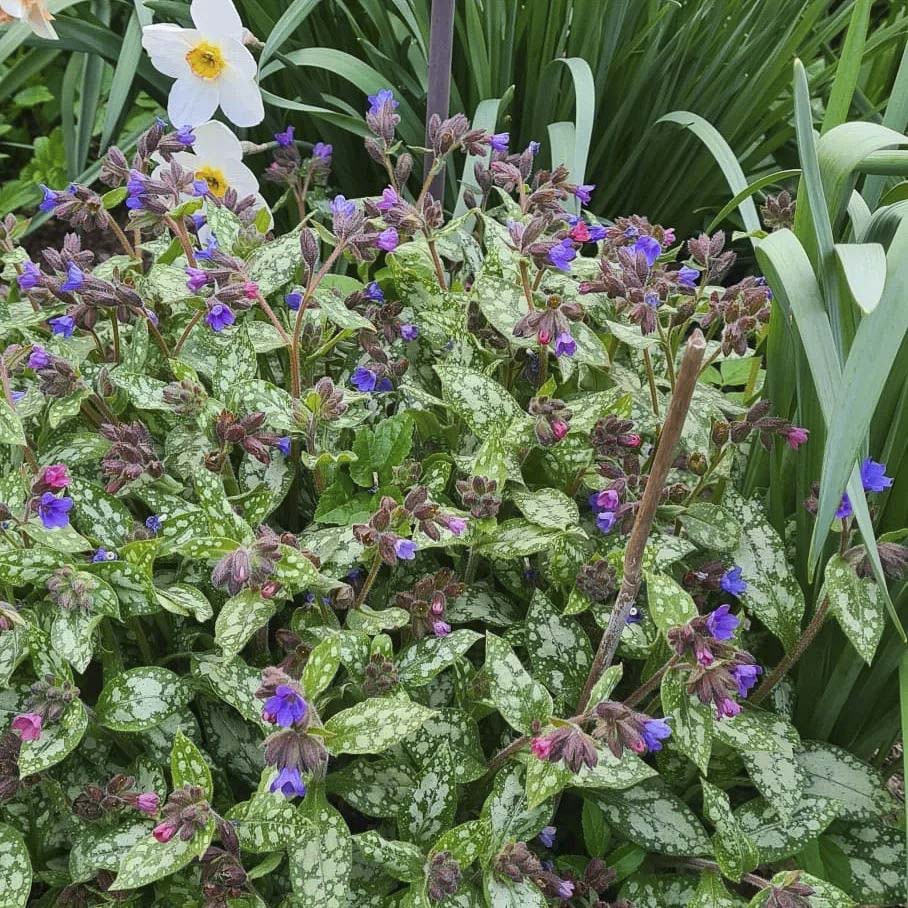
(28, 725)
(197, 278)
(796, 436)
(56, 476)
(165, 831)
(53, 511)
(389, 198)
(605, 500)
(541, 748)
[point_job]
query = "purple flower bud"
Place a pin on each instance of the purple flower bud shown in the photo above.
(388, 240)
(457, 525)
(873, 476)
(16, 396)
(409, 332)
(727, 708)
(845, 509)
(441, 628)
(733, 582)
(721, 624)
(374, 293)
(533, 148)
(63, 325)
(154, 523)
(584, 192)
(650, 248)
(340, 207)
(185, 136)
(405, 549)
(197, 278)
(39, 358)
(51, 197)
(283, 445)
(605, 521)
(293, 300)
(322, 150)
(384, 98)
(285, 138)
(53, 511)
(31, 275)
(565, 345)
(219, 317)
(500, 140)
(75, 277)
(389, 198)
(363, 379)
(605, 500)
(148, 802)
(687, 276)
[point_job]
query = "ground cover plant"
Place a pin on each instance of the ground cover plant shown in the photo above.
(407, 559)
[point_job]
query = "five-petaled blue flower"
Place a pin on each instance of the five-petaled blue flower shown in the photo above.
(211, 246)
(745, 675)
(31, 275)
(293, 300)
(562, 254)
(650, 248)
(721, 624)
(363, 379)
(289, 783)
(654, 732)
(733, 582)
(103, 554)
(185, 136)
(154, 523)
(340, 206)
(687, 276)
(388, 240)
(39, 358)
(322, 150)
(64, 325)
(405, 549)
(409, 332)
(51, 197)
(53, 511)
(286, 707)
(873, 476)
(219, 317)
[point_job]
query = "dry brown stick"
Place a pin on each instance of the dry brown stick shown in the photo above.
(633, 559)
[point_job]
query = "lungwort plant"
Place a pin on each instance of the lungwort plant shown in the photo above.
(403, 561)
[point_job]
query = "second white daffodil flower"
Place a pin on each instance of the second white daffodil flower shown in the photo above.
(210, 63)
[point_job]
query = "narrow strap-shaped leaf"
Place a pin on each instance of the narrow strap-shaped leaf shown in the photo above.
(848, 68)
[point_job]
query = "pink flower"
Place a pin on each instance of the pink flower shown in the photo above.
(796, 436)
(544, 337)
(251, 289)
(28, 725)
(148, 802)
(457, 525)
(164, 832)
(56, 476)
(541, 748)
(631, 440)
(559, 429)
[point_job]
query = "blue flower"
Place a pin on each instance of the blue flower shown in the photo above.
(322, 150)
(53, 511)
(75, 278)
(654, 732)
(605, 521)
(211, 246)
(533, 148)
(283, 445)
(650, 248)
(409, 332)
(384, 98)
(64, 325)
(499, 141)
(388, 240)
(547, 835)
(17, 396)
(154, 523)
(31, 275)
(49, 202)
(584, 192)
(721, 624)
(289, 783)
(185, 136)
(562, 254)
(219, 317)
(405, 549)
(39, 358)
(103, 554)
(732, 582)
(634, 616)
(363, 379)
(200, 188)
(286, 707)
(285, 138)
(845, 509)
(374, 293)
(565, 345)
(745, 676)
(873, 476)
(651, 298)
(688, 277)
(293, 300)
(196, 278)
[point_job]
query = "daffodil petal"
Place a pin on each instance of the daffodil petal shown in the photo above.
(192, 101)
(12, 8)
(216, 141)
(239, 177)
(241, 99)
(239, 58)
(217, 17)
(167, 45)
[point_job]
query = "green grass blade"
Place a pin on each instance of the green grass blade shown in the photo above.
(284, 28)
(848, 68)
(771, 179)
(896, 117)
(584, 115)
(903, 704)
(863, 265)
(486, 116)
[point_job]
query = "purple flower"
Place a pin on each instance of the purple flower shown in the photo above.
(565, 345)
(363, 379)
(64, 325)
(384, 384)
(405, 549)
(200, 188)
(185, 136)
(650, 248)
(388, 240)
(374, 293)
(197, 278)
(198, 221)
(53, 511)
(688, 277)
(562, 254)
(384, 98)
(39, 358)
(211, 246)
(49, 202)
(845, 509)
(31, 275)
(441, 628)
(75, 277)
(547, 835)
(732, 582)
(651, 298)
(17, 396)
(289, 783)
(634, 616)
(409, 332)
(533, 148)
(605, 521)
(283, 445)
(286, 707)
(584, 192)
(605, 500)
(727, 708)
(322, 150)
(135, 182)
(721, 624)
(293, 300)
(389, 198)
(745, 676)
(499, 141)
(148, 802)
(103, 554)
(873, 476)
(154, 523)
(564, 889)
(219, 317)
(654, 732)
(285, 138)
(456, 525)
(340, 207)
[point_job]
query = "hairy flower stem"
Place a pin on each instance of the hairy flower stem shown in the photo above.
(525, 280)
(188, 330)
(701, 864)
(633, 558)
(263, 305)
(651, 379)
(439, 269)
(790, 658)
(370, 579)
(128, 248)
(179, 231)
(115, 334)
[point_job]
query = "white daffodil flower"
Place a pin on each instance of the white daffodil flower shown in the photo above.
(210, 63)
(217, 158)
(34, 13)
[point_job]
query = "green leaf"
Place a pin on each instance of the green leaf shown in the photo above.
(432, 804)
(504, 893)
(518, 698)
(875, 858)
(321, 667)
(547, 508)
(711, 527)
(15, 869)
(517, 538)
(374, 725)
(773, 593)
(97, 847)
(188, 766)
(320, 864)
(559, 648)
(508, 812)
(421, 662)
(240, 617)
(778, 776)
(483, 404)
(711, 893)
(382, 448)
(401, 860)
(14, 646)
(457, 730)
(857, 605)
(149, 860)
(268, 822)
(863, 266)
(735, 852)
(182, 599)
(777, 838)
(667, 603)
(141, 698)
(824, 895)
(236, 363)
(11, 431)
(275, 264)
(57, 741)
(693, 721)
